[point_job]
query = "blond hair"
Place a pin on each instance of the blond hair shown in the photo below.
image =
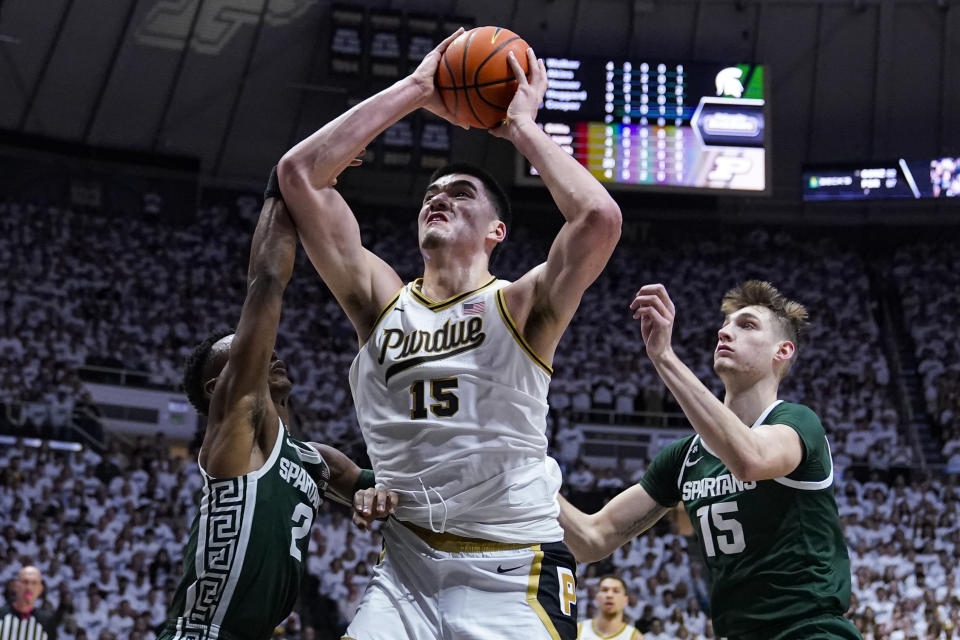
(791, 315)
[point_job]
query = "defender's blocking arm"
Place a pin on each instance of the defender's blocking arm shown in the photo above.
(241, 404)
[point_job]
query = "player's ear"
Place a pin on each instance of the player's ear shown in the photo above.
(785, 351)
(497, 230)
(209, 385)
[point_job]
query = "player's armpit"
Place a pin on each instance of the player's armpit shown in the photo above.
(544, 300)
(781, 452)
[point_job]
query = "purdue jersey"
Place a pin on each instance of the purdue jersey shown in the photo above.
(247, 550)
(452, 403)
(774, 548)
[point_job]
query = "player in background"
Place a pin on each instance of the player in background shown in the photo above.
(756, 479)
(608, 623)
(246, 553)
(450, 383)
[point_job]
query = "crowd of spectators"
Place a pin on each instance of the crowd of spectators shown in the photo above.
(85, 289)
(108, 531)
(928, 279)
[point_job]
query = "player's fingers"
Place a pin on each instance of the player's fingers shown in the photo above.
(440, 48)
(392, 500)
(533, 64)
(381, 501)
(517, 69)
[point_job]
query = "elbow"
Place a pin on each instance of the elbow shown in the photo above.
(747, 469)
(604, 218)
(293, 172)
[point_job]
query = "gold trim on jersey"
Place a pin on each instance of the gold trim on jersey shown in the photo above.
(533, 586)
(433, 305)
(512, 326)
(383, 312)
(593, 628)
(453, 543)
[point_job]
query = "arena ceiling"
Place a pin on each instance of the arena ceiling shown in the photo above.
(236, 82)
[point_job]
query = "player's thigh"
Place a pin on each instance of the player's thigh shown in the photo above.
(397, 605)
(529, 594)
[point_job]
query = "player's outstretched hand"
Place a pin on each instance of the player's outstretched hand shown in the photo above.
(655, 310)
(526, 101)
(373, 504)
(425, 77)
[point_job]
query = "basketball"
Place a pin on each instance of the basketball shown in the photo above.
(475, 81)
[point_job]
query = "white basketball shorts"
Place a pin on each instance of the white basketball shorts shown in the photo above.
(439, 586)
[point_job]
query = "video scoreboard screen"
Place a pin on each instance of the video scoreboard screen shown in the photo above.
(900, 180)
(658, 125)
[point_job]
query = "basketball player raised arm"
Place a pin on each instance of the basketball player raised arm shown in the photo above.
(243, 414)
(251, 390)
(361, 282)
(760, 453)
(541, 302)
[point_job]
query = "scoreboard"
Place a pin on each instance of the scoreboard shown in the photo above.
(658, 125)
(898, 180)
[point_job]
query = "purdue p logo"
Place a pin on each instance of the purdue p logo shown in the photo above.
(568, 590)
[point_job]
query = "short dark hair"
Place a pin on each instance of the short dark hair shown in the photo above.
(611, 576)
(196, 365)
(501, 204)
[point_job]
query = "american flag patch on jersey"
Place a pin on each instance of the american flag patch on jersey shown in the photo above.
(470, 308)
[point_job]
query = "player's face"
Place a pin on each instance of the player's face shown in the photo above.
(456, 210)
(748, 344)
(611, 596)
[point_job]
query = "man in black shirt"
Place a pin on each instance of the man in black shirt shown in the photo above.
(20, 618)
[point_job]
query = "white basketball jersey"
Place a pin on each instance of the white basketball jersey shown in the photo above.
(452, 403)
(586, 631)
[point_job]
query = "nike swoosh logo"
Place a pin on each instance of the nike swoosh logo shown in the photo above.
(500, 568)
(690, 463)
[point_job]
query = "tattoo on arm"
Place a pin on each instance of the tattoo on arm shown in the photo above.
(642, 523)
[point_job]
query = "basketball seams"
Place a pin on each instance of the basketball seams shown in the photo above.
(482, 107)
(456, 98)
(463, 75)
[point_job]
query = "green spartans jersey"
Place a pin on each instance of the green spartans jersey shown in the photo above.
(774, 548)
(247, 550)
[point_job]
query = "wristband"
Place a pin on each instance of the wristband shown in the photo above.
(273, 186)
(365, 480)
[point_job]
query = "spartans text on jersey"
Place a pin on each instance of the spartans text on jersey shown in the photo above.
(722, 485)
(300, 479)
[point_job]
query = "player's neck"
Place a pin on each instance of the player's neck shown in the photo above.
(608, 625)
(749, 402)
(445, 276)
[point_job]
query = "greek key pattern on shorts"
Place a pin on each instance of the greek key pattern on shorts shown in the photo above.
(191, 631)
(224, 522)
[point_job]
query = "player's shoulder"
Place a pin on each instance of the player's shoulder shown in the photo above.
(798, 416)
(677, 450)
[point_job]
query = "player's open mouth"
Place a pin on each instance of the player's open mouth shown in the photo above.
(279, 367)
(437, 217)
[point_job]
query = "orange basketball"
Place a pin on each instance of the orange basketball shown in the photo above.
(474, 79)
